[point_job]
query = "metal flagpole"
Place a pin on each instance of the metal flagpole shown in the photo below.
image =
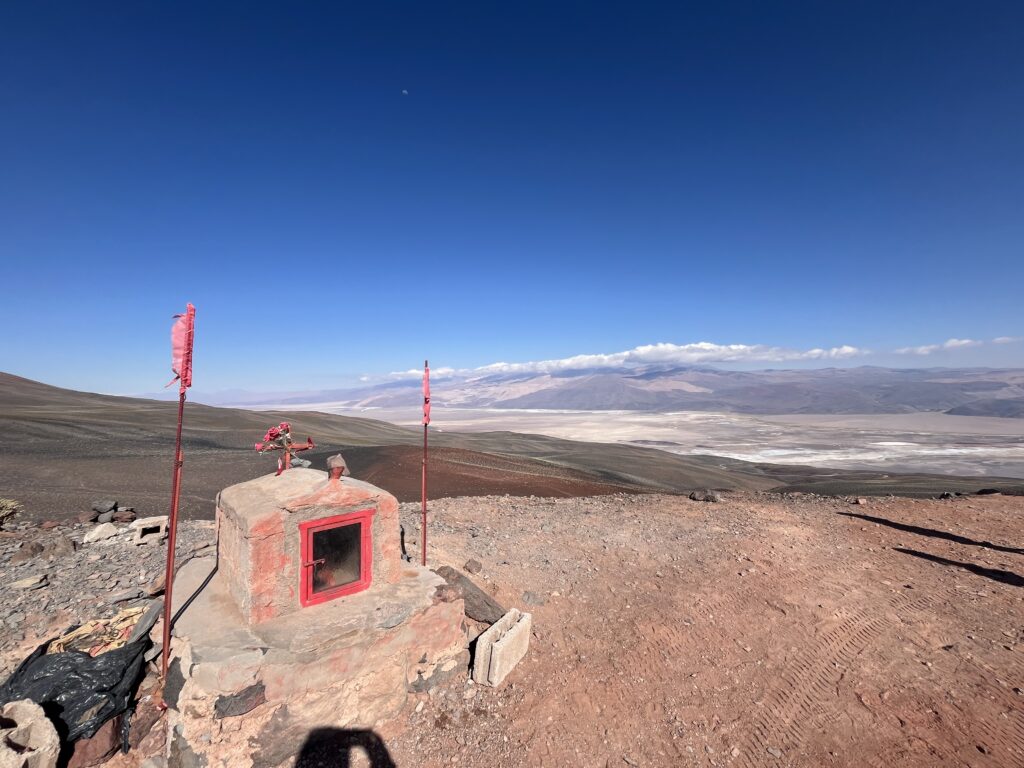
(426, 421)
(172, 531)
(182, 337)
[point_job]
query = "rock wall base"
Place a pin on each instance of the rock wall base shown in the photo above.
(245, 695)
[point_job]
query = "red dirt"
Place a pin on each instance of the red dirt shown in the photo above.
(755, 632)
(458, 472)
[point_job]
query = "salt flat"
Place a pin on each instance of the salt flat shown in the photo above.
(912, 442)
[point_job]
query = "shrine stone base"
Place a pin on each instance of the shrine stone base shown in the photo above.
(245, 694)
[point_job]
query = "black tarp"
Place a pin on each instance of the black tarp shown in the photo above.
(78, 692)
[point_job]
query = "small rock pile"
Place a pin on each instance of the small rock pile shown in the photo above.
(107, 511)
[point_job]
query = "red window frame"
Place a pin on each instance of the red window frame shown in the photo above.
(306, 531)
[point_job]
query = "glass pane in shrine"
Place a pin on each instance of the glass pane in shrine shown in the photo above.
(340, 549)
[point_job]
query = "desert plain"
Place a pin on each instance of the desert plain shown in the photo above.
(935, 443)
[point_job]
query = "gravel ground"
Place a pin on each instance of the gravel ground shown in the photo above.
(83, 581)
(757, 631)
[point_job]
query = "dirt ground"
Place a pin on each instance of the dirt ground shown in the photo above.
(759, 631)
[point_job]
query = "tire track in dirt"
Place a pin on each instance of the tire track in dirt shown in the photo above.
(805, 689)
(1003, 737)
(737, 599)
(805, 694)
(699, 637)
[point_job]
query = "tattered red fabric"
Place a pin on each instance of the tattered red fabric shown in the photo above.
(182, 334)
(426, 395)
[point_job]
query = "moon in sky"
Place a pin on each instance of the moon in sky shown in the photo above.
(405, 92)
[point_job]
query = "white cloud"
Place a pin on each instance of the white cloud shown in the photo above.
(955, 343)
(928, 349)
(699, 352)
(1007, 339)
(676, 354)
(417, 373)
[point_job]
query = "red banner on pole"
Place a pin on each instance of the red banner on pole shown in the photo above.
(182, 336)
(426, 393)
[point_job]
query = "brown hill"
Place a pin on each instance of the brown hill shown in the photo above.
(460, 472)
(61, 449)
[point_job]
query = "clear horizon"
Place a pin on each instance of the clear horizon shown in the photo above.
(345, 191)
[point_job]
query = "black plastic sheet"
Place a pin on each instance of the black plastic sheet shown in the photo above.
(78, 692)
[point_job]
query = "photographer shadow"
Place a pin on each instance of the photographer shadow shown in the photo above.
(334, 748)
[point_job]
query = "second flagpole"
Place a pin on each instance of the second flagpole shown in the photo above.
(426, 421)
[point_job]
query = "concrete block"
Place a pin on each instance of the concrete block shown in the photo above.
(149, 529)
(501, 647)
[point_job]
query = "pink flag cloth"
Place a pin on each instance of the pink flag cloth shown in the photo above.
(426, 394)
(182, 334)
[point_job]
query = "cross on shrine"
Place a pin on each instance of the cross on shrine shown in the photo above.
(279, 438)
(289, 448)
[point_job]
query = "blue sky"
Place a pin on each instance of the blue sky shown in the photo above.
(345, 190)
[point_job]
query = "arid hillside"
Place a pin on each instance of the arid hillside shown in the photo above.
(60, 449)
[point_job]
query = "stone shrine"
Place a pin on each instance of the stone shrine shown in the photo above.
(307, 617)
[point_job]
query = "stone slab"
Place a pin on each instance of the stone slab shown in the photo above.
(101, 532)
(479, 605)
(228, 654)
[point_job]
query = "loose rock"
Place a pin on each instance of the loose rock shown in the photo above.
(479, 605)
(157, 585)
(29, 551)
(705, 495)
(57, 547)
(101, 532)
(27, 737)
(32, 582)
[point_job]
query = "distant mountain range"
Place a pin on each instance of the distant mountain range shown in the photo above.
(863, 390)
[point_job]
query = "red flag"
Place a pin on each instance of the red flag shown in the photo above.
(426, 393)
(182, 334)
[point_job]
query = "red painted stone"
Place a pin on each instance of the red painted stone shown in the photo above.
(260, 543)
